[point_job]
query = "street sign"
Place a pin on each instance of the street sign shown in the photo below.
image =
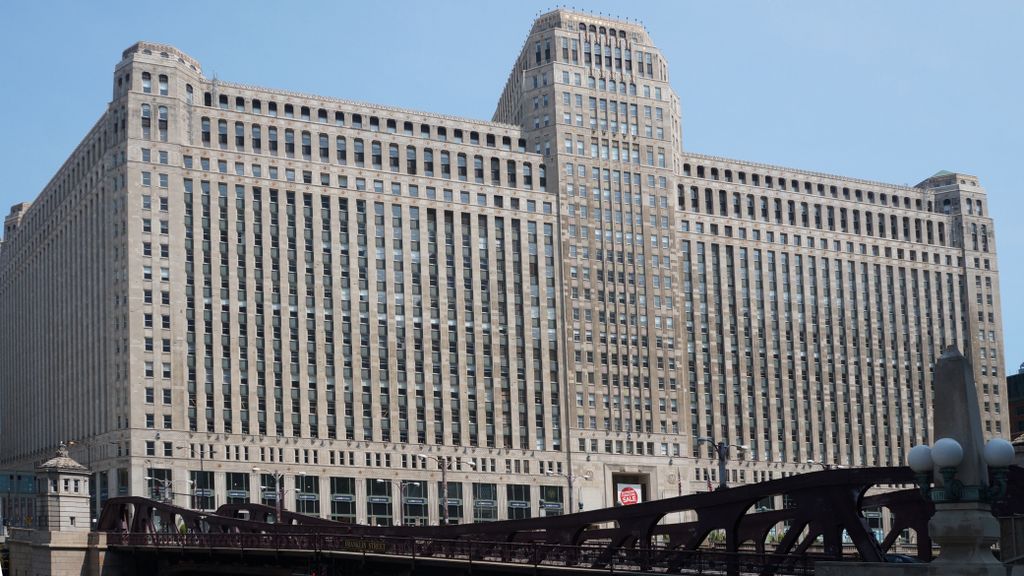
(518, 504)
(270, 495)
(306, 497)
(342, 498)
(204, 492)
(485, 504)
(379, 499)
(551, 505)
(238, 493)
(455, 501)
(415, 500)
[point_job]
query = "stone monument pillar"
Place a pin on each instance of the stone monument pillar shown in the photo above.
(963, 527)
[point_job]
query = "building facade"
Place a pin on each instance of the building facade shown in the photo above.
(226, 287)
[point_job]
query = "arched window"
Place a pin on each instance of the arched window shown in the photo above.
(341, 150)
(446, 164)
(272, 138)
(527, 176)
(307, 145)
(945, 206)
(239, 136)
(325, 147)
(147, 83)
(161, 125)
(410, 159)
(188, 93)
(428, 161)
(478, 169)
(206, 131)
(461, 167)
(257, 139)
(222, 134)
(163, 84)
(543, 178)
(289, 142)
(984, 237)
(393, 158)
(360, 152)
(146, 119)
(376, 156)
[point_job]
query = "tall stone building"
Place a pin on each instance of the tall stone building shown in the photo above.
(226, 286)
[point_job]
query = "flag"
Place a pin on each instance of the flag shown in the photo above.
(710, 487)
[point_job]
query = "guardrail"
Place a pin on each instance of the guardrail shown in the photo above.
(597, 558)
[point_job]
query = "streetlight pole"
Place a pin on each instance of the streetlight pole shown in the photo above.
(722, 450)
(165, 487)
(92, 477)
(443, 462)
(400, 514)
(278, 486)
(569, 478)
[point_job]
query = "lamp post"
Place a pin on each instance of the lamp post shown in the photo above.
(401, 484)
(278, 486)
(92, 476)
(722, 449)
(444, 463)
(569, 479)
(165, 487)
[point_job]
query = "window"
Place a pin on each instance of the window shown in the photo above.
(163, 84)
(147, 117)
(147, 83)
(161, 120)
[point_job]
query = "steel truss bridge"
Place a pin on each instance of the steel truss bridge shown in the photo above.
(721, 532)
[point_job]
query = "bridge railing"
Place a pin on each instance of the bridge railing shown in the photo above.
(470, 551)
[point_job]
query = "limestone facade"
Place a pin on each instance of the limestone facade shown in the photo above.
(224, 277)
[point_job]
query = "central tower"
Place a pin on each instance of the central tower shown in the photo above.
(592, 95)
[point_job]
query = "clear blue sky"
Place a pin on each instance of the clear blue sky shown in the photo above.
(883, 90)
